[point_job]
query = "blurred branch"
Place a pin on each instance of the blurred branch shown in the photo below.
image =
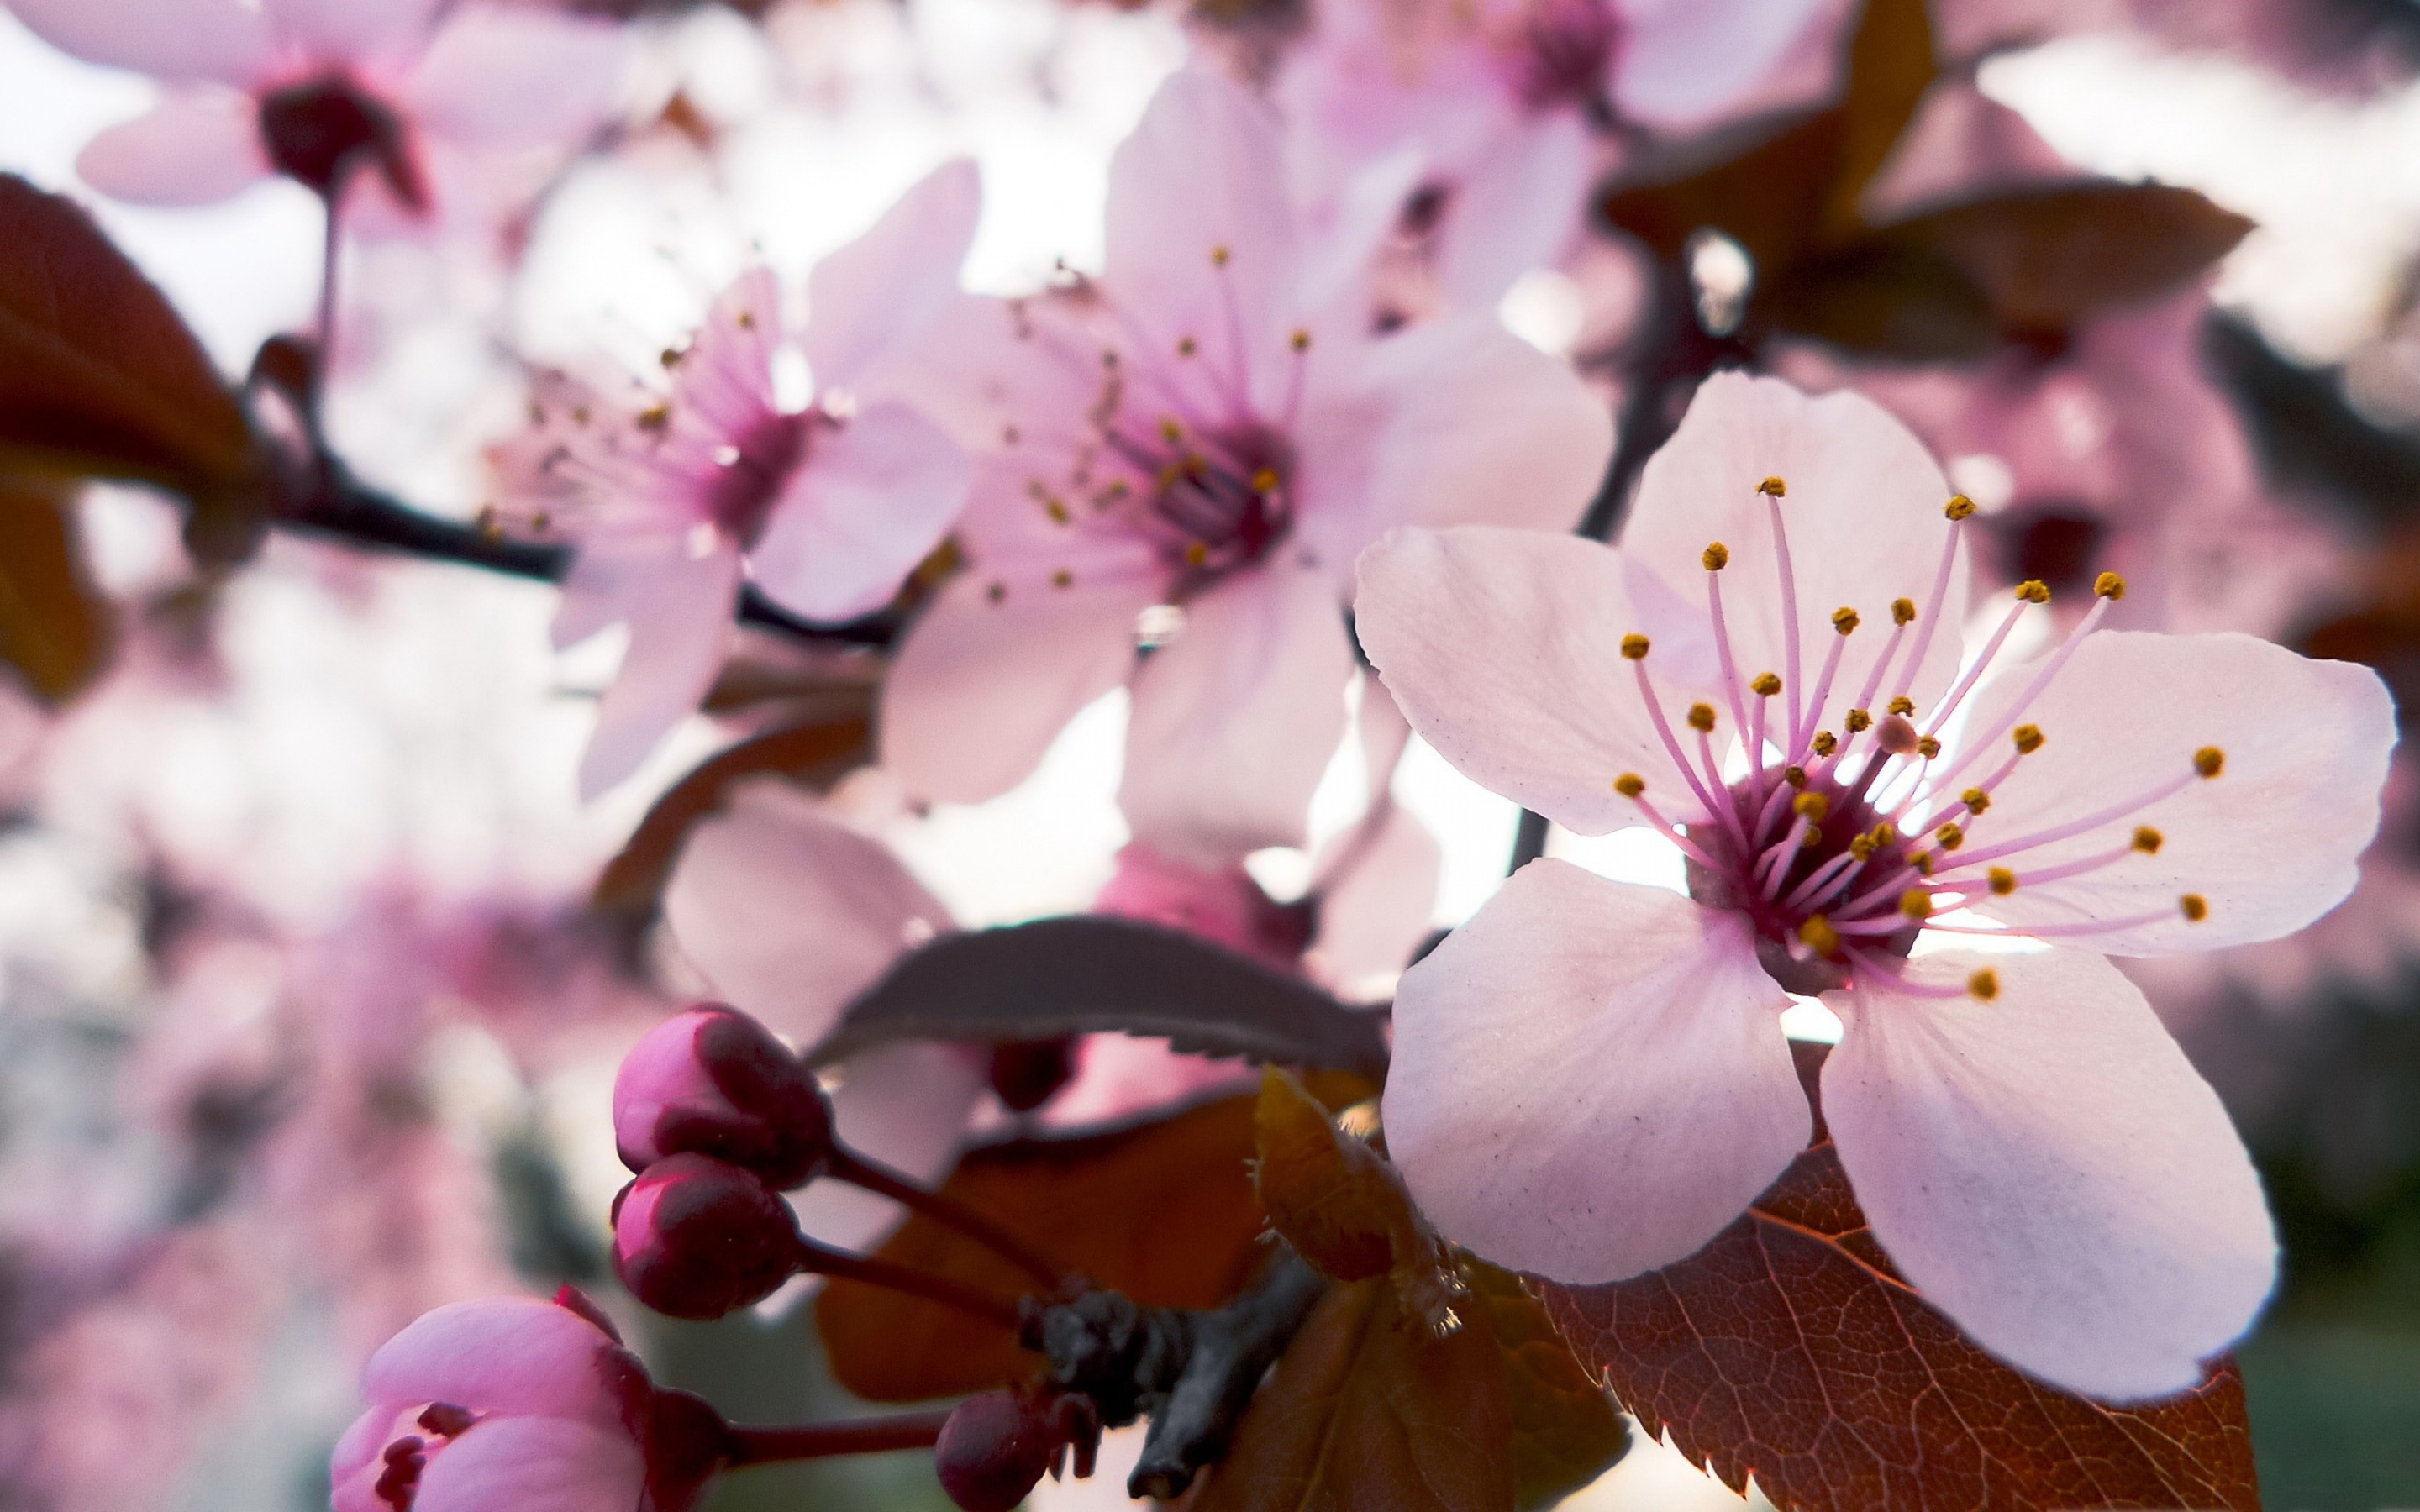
(2308, 437)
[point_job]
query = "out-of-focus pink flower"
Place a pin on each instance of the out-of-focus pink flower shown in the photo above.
(1499, 104)
(394, 97)
(674, 498)
(515, 1405)
(1224, 905)
(1183, 430)
(1590, 1080)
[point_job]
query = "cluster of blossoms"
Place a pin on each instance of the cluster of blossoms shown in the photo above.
(1293, 522)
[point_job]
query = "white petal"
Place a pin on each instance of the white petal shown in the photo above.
(887, 286)
(1863, 516)
(1590, 1078)
(872, 500)
(1236, 719)
(191, 148)
(680, 628)
(173, 39)
(1684, 61)
(1516, 207)
(1504, 649)
(2048, 1170)
(2270, 843)
(353, 30)
(517, 78)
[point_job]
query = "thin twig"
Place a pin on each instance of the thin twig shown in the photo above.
(848, 1166)
(820, 1440)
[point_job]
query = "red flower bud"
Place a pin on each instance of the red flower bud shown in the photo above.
(712, 1081)
(696, 1238)
(995, 1447)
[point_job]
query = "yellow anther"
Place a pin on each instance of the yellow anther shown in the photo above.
(1765, 685)
(1862, 847)
(1634, 647)
(2148, 840)
(541, 522)
(2195, 907)
(1197, 553)
(1812, 806)
(2209, 760)
(1958, 507)
(1844, 619)
(1924, 864)
(1630, 784)
(1902, 704)
(1063, 579)
(1984, 985)
(1819, 935)
(2028, 738)
(1265, 481)
(2034, 591)
(1976, 800)
(747, 319)
(1916, 903)
(1717, 556)
(1301, 340)
(2001, 880)
(1825, 743)
(2109, 585)
(1950, 837)
(997, 593)
(1885, 834)
(1057, 510)
(1813, 838)
(1219, 256)
(1796, 777)
(1858, 720)
(1927, 747)
(1701, 717)
(1170, 432)
(656, 417)
(1902, 611)
(672, 358)
(1186, 347)
(1772, 488)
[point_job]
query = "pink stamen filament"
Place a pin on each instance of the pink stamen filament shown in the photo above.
(1930, 618)
(1870, 961)
(1975, 670)
(1805, 732)
(2050, 669)
(2036, 877)
(1805, 894)
(1672, 746)
(2077, 827)
(1674, 833)
(2085, 927)
(1789, 618)
(1865, 695)
(1774, 864)
(1732, 685)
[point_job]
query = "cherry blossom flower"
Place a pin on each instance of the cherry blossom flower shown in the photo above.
(678, 498)
(1203, 427)
(401, 95)
(1500, 102)
(1589, 1077)
(513, 1405)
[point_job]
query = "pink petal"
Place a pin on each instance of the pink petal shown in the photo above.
(981, 687)
(362, 1443)
(533, 1464)
(1504, 649)
(1682, 62)
(511, 1355)
(2270, 843)
(1863, 515)
(178, 41)
(1590, 1078)
(1201, 172)
(904, 1106)
(1517, 206)
(1118, 1076)
(680, 627)
(887, 286)
(789, 914)
(191, 148)
(2048, 1170)
(495, 77)
(1377, 880)
(724, 386)
(874, 499)
(1236, 719)
(353, 30)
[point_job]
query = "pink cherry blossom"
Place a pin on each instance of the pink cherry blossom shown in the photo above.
(1202, 427)
(677, 495)
(515, 1405)
(1501, 105)
(1589, 1077)
(398, 95)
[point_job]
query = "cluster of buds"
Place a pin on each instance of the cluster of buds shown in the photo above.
(995, 1447)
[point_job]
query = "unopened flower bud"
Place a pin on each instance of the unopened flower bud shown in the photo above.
(997, 1448)
(696, 1238)
(713, 1081)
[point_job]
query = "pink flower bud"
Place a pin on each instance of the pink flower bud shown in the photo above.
(712, 1081)
(995, 1447)
(696, 1238)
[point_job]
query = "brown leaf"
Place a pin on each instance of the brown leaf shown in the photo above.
(1369, 1411)
(1163, 1212)
(1890, 67)
(1331, 1196)
(1788, 1348)
(632, 882)
(55, 628)
(1566, 1429)
(99, 376)
(1765, 184)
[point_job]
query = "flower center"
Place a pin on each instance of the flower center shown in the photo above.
(319, 131)
(1217, 500)
(1562, 51)
(751, 471)
(1798, 828)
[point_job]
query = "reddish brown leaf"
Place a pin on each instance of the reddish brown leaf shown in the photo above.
(1790, 1350)
(1163, 1212)
(98, 374)
(54, 629)
(632, 884)
(1369, 1411)
(1332, 1198)
(1891, 68)
(1566, 1429)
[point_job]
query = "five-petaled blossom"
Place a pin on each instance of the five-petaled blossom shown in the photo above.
(400, 95)
(1186, 429)
(1498, 106)
(1590, 1080)
(509, 1404)
(677, 495)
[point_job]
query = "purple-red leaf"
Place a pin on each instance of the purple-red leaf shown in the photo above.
(54, 629)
